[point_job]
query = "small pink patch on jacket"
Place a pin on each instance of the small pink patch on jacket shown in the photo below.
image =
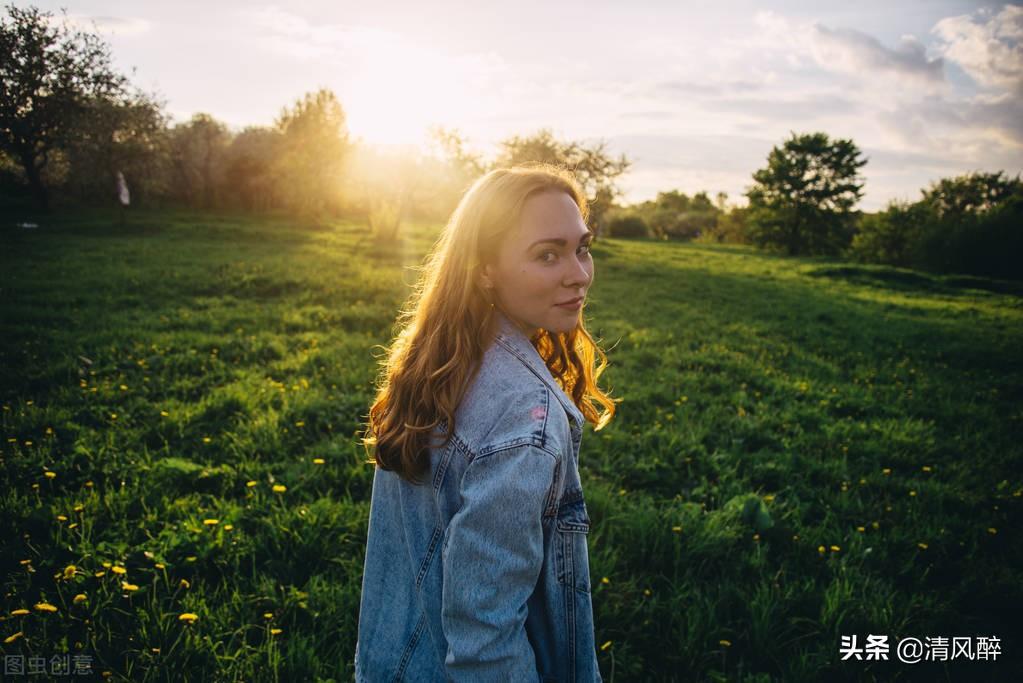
(538, 412)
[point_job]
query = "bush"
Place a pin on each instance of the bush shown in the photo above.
(628, 225)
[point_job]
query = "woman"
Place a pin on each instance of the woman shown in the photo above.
(476, 559)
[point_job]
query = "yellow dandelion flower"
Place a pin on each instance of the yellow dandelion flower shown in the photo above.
(160, 565)
(318, 461)
(88, 484)
(756, 537)
(191, 558)
(188, 617)
(117, 569)
(113, 416)
(605, 580)
(300, 423)
(726, 643)
(99, 574)
(72, 525)
(886, 471)
(228, 527)
(69, 571)
(19, 612)
(50, 474)
(912, 493)
(185, 584)
(211, 522)
(677, 529)
(79, 507)
(992, 530)
(124, 387)
(923, 546)
(769, 498)
(164, 413)
(276, 631)
(605, 646)
(129, 586)
(821, 549)
(45, 607)
(268, 615)
(250, 484)
(280, 488)
(81, 597)
(861, 529)
(14, 636)
(835, 548)
(61, 518)
(926, 468)
(875, 525)
(646, 591)
(206, 439)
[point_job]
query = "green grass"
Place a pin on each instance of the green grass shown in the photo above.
(771, 406)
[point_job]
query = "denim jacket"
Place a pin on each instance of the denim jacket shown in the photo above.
(482, 574)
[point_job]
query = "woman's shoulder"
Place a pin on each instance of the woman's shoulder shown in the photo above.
(506, 403)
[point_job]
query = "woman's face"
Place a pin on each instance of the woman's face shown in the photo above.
(545, 263)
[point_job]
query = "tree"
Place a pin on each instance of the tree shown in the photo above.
(197, 152)
(972, 193)
(249, 173)
(314, 145)
(47, 75)
(111, 136)
(802, 202)
(593, 168)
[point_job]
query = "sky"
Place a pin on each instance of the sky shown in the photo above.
(694, 94)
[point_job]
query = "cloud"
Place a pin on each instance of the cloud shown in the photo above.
(857, 53)
(989, 51)
(849, 52)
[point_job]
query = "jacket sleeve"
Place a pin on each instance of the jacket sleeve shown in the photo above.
(492, 559)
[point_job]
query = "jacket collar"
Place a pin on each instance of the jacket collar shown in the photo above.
(515, 340)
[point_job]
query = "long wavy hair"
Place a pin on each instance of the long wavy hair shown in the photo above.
(448, 323)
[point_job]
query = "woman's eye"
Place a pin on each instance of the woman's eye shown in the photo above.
(586, 247)
(543, 256)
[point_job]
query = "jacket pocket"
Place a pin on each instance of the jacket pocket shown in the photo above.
(570, 548)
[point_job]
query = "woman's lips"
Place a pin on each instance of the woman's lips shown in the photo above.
(573, 305)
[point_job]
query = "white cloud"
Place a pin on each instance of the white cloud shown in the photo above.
(851, 53)
(988, 50)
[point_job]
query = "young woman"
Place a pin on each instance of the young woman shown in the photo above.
(477, 563)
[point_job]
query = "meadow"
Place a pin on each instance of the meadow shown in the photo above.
(804, 449)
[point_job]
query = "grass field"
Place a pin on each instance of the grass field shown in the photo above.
(805, 449)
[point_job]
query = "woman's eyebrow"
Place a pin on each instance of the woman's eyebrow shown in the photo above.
(561, 241)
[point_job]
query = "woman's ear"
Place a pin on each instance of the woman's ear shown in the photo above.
(484, 277)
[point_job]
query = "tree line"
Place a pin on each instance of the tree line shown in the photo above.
(70, 123)
(803, 202)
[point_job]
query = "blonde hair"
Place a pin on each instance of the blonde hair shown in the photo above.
(447, 325)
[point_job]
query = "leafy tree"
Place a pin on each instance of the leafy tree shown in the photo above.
(249, 172)
(971, 223)
(595, 170)
(973, 193)
(315, 144)
(802, 202)
(675, 215)
(48, 74)
(890, 236)
(197, 154)
(111, 136)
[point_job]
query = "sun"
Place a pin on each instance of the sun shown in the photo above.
(399, 92)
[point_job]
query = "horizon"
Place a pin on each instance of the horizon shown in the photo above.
(695, 99)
